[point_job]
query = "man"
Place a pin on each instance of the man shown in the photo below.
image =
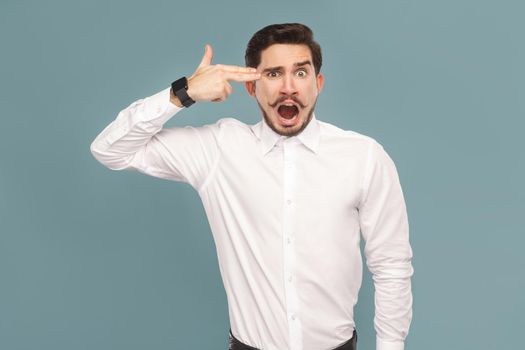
(286, 198)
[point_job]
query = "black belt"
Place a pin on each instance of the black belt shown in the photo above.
(236, 344)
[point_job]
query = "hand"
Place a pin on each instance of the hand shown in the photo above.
(211, 82)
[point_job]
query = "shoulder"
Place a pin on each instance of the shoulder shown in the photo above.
(232, 127)
(222, 129)
(331, 130)
(232, 123)
(371, 149)
(348, 138)
(226, 130)
(221, 126)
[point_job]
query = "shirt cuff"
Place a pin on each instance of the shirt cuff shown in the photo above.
(160, 107)
(389, 345)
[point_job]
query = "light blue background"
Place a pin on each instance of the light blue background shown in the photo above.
(96, 259)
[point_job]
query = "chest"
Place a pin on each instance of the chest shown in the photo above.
(312, 183)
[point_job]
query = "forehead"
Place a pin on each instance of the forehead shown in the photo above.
(284, 55)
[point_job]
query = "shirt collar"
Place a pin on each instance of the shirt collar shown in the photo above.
(268, 138)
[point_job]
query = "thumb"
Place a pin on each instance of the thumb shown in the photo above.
(208, 55)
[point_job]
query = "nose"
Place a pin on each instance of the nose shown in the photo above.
(288, 85)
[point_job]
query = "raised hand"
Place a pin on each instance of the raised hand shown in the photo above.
(211, 82)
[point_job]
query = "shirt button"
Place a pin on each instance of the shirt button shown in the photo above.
(290, 279)
(288, 240)
(293, 317)
(289, 201)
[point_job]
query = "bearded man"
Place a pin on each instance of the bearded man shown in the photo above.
(287, 198)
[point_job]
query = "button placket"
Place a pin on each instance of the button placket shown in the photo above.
(289, 175)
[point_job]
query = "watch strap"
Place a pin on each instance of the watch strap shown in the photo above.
(179, 88)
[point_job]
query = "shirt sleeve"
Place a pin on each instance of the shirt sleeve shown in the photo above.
(384, 227)
(136, 140)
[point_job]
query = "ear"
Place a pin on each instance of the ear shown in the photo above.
(320, 82)
(250, 87)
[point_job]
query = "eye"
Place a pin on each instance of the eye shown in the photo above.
(301, 73)
(273, 74)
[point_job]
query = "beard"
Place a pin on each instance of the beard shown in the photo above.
(291, 131)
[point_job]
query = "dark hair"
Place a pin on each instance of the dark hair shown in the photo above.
(286, 33)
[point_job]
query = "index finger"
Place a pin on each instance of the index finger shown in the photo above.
(238, 69)
(242, 77)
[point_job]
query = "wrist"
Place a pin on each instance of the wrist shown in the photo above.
(180, 90)
(174, 99)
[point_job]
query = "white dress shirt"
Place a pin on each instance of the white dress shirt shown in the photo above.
(286, 214)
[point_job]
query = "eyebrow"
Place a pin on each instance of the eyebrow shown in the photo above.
(297, 64)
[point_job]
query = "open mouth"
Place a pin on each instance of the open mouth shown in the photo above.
(288, 111)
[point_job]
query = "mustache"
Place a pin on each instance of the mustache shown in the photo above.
(287, 97)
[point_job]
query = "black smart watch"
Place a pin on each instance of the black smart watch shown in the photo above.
(180, 87)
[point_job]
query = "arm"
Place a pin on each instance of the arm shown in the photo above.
(384, 226)
(136, 139)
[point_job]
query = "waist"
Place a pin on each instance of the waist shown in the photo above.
(236, 344)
